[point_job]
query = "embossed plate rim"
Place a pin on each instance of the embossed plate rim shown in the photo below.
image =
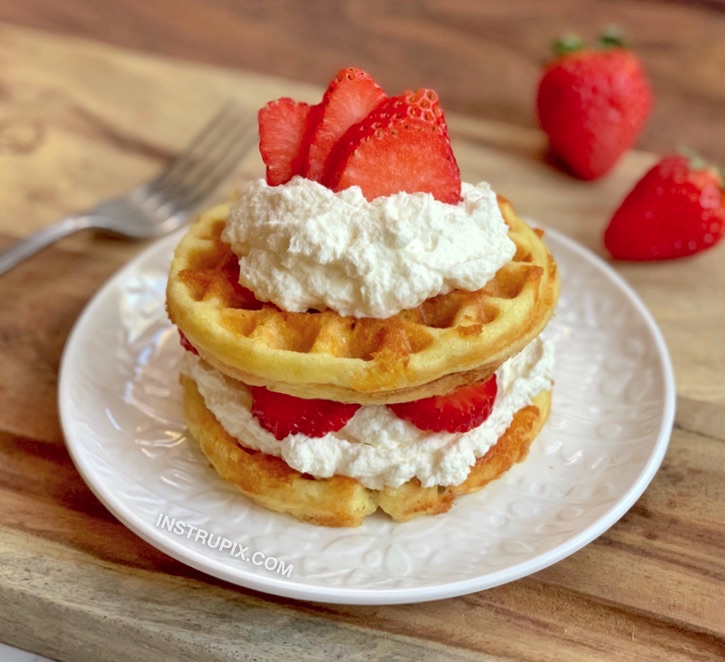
(187, 553)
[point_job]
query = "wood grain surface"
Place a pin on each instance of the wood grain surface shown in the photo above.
(482, 56)
(80, 120)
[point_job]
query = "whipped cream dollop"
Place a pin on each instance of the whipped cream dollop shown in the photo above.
(301, 246)
(375, 446)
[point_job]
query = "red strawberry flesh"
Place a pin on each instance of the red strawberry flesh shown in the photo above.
(350, 97)
(460, 411)
(283, 415)
(185, 343)
(243, 297)
(283, 126)
(673, 211)
(402, 145)
(593, 104)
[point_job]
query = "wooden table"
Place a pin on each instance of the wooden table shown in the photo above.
(80, 120)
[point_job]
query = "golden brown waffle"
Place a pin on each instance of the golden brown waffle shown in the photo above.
(343, 501)
(449, 340)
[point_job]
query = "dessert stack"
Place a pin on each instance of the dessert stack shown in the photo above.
(362, 329)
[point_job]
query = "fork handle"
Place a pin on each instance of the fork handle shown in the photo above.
(40, 239)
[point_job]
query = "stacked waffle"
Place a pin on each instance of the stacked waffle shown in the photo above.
(319, 397)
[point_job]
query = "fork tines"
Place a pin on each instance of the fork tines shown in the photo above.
(206, 161)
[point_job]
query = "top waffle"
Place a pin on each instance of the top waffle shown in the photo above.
(447, 341)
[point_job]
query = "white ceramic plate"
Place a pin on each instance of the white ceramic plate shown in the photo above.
(613, 409)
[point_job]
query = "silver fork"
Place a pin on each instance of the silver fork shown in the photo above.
(166, 202)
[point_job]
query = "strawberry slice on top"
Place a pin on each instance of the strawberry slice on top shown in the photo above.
(283, 126)
(402, 145)
(357, 136)
(349, 98)
(459, 411)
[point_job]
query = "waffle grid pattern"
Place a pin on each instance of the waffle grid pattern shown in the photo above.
(448, 341)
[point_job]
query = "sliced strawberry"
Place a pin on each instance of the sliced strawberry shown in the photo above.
(349, 98)
(402, 145)
(185, 343)
(243, 296)
(462, 410)
(283, 414)
(283, 127)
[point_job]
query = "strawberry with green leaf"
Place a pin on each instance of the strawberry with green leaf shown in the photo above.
(593, 103)
(677, 209)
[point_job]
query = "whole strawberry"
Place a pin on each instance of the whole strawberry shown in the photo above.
(676, 209)
(593, 104)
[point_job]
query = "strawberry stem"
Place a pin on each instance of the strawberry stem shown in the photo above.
(569, 43)
(612, 37)
(698, 162)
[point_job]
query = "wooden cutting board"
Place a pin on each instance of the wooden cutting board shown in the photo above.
(80, 121)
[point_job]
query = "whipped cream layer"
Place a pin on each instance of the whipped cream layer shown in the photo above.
(301, 246)
(376, 446)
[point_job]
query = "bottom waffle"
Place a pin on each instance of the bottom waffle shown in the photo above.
(343, 501)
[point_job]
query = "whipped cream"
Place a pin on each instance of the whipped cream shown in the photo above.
(376, 446)
(301, 246)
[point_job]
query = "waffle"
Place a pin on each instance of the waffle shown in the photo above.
(448, 341)
(343, 501)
